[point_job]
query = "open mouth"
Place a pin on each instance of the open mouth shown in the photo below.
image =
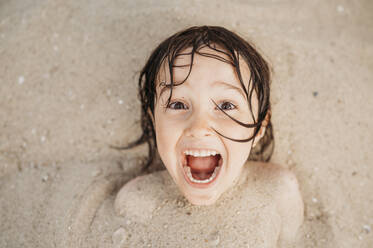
(202, 168)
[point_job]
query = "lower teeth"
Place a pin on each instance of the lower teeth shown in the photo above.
(189, 174)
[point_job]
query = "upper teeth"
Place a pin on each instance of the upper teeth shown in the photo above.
(201, 153)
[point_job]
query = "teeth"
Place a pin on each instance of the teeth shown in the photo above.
(202, 153)
(189, 174)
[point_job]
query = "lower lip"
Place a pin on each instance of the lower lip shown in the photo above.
(201, 185)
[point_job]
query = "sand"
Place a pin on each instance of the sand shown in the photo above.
(68, 90)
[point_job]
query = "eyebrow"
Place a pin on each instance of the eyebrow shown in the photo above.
(229, 86)
(166, 87)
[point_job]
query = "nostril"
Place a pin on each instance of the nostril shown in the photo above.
(197, 134)
(199, 125)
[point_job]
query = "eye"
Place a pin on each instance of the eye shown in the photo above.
(176, 105)
(227, 106)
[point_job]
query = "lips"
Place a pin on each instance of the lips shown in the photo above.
(211, 172)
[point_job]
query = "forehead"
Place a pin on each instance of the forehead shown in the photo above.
(209, 61)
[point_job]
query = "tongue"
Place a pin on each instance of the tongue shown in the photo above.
(202, 167)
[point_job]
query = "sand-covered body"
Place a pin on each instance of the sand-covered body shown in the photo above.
(149, 209)
(251, 211)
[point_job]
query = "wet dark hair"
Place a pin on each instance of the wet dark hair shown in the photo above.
(222, 41)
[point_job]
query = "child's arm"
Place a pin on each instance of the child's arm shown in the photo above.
(290, 207)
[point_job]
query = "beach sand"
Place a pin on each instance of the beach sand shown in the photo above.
(68, 90)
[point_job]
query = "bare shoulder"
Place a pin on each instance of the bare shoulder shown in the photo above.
(141, 195)
(285, 193)
(278, 178)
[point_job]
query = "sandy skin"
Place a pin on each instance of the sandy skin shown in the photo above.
(264, 208)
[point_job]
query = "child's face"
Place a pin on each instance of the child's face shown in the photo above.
(187, 124)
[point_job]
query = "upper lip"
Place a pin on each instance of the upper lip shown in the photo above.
(200, 149)
(183, 156)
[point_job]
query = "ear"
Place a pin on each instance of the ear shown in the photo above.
(259, 135)
(262, 130)
(151, 117)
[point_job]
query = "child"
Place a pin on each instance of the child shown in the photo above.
(205, 95)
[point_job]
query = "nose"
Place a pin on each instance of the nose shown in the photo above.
(199, 126)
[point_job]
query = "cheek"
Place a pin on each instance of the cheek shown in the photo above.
(167, 137)
(231, 129)
(239, 152)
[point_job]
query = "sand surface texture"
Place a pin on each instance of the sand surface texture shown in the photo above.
(68, 90)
